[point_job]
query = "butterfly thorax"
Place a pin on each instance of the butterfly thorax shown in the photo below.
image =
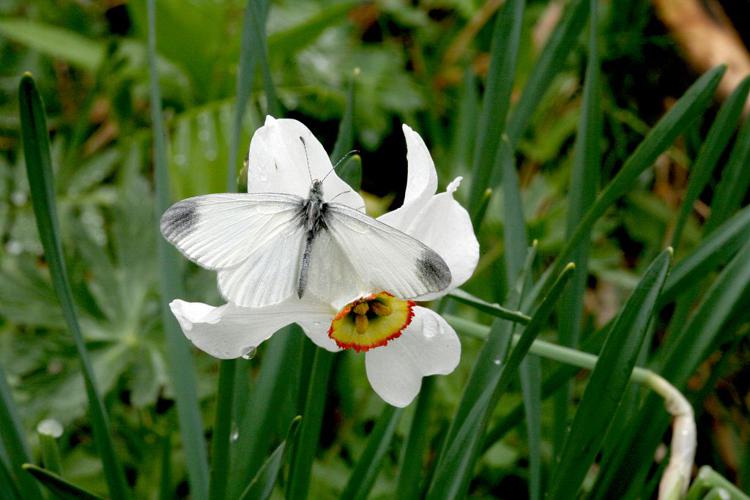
(314, 208)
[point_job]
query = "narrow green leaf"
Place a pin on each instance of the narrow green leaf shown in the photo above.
(708, 157)
(250, 54)
(41, 183)
(530, 373)
(584, 183)
(7, 485)
(179, 360)
(685, 111)
(49, 431)
(685, 350)
(369, 463)
(608, 382)
(59, 486)
(494, 309)
(724, 243)
(506, 35)
(261, 486)
(707, 479)
(734, 182)
(412, 457)
(256, 429)
(222, 430)
(309, 435)
(345, 138)
(14, 440)
(166, 492)
(454, 468)
(549, 64)
(514, 226)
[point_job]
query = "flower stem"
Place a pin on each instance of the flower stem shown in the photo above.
(676, 478)
(220, 445)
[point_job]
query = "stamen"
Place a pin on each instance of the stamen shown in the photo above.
(380, 309)
(361, 323)
(361, 308)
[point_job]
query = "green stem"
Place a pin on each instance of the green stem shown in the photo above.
(222, 429)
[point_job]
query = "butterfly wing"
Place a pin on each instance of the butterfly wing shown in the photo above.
(254, 241)
(355, 254)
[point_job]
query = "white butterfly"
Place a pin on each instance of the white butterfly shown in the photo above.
(267, 247)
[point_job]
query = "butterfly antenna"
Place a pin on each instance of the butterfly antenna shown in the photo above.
(341, 160)
(307, 158)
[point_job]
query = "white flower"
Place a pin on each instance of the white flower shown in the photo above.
(402, 342)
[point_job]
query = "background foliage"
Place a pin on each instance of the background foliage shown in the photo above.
(665, 174)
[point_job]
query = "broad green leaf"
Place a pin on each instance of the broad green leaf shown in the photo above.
(41, 183)
(496, 101)
(261, 486)
(370, 462)
(715, 143)
(59, 486)
(179, 358)
(608, 382)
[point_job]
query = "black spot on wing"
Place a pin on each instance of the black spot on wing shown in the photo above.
(179, 220)
(433, 271)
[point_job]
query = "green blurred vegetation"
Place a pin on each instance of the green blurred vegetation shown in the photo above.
(422, 63)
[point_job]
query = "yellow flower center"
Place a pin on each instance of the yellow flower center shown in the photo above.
(371, 321)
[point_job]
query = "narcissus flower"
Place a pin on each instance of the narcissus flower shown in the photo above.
(402, 342)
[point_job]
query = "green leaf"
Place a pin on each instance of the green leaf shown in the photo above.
(222, 430)
(59, 486)
(7, 484)
(412, 457)
(494, 309)
(312, 419)
(262, 484)
(708, 479)
(41, 184)
(514, 227)
(715, 143)
(179, 359)
(48, 432)
(345, 137)
(250, 54)
(370, 462)
(530, 373)
(456, 463)
(496, 101)
(166, 492)
(14, 441)
(608, 382)
(549, 64)
(672, 124)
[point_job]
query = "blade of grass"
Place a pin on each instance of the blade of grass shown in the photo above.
(514, 227)
(250, 54)
(453, 469)
(14, 441)
(220, 451)
(49, 431)
(261, 486)
(412, 457)
(686, 110)
(179, 360)
(530, 373)
(309, 435)
(506, 35)
(41, 184)
(715, 143)
(704, 331)
(549, 64)
(584, 183)
(59, 486)
(608, 382)
(734, 181)
(370, 462)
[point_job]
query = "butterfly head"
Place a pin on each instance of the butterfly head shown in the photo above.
(316, 190)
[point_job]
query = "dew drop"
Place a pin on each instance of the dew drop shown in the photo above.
(496, 362)
(235, 434)
(249, 353)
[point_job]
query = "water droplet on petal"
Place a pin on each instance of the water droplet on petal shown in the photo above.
(234, 435)
(249, 352)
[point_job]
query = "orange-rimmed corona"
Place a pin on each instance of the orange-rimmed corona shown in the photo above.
(371, 321)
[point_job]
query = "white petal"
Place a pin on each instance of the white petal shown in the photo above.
(230, 331)
(444, 225)
(429, 346)
(317, 331)
(421, 181)
(277, 163)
